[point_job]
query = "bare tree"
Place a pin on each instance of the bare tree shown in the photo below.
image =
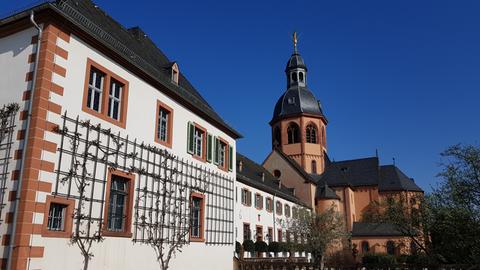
(79, 174)
(166, 225)
(320, 232)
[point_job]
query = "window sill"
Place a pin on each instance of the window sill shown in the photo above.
(164, 143)
(202, 159)
(102, 116)
(117, 234)
(56, 234)
(197, 240)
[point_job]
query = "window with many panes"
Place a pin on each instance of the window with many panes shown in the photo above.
(278, 208)
(114, 99)
(246, 197)
(222, 154)
(58, 220)
(311, 134)
(95, 89)
(56, 217)
(197, 217)
(105, 94)
(287, 210)
(247, 234)
(258, 201)
(119, 204)
(163, 124)
(269, 204)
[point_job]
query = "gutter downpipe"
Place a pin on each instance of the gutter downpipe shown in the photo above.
(24, 153)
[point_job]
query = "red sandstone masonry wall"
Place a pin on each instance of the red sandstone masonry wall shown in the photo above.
(39, 126)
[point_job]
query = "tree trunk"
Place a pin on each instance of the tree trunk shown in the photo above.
(86, 259)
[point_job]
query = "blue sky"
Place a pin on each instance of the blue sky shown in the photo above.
(402, 77)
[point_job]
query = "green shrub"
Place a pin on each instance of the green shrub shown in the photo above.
(248, 245)
(274, 247)
(261, 246)
(237, 246)
(378, 260)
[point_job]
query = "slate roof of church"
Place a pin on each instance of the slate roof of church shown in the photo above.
(374, 229)
(251, 174)
(131, 44)
(366, 172)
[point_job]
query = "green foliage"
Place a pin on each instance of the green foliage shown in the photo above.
(320, 230)
(445, 226)
(248, 245)
(261, 246)
(378, 260)
(238, 246)
(274, 247)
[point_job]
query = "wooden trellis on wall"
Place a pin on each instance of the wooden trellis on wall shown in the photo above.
(7, 128)
(163, 184)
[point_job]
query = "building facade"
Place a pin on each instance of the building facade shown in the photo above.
(299, 159)
(112, 150)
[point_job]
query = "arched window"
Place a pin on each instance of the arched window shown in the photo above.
(277, 137)
(413, 248)
(294, 77)
(311, 134)
(365, 247)
(293, 133)
(390, 247)
(314, 166)
(300, 75)
(277, 173)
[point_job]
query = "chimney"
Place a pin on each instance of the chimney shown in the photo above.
(263, 176)
(279, 184)
(240, 166)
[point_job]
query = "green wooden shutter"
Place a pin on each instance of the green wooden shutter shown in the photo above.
(209, 147)
(215, 150)
(190, 132)
(230, 158)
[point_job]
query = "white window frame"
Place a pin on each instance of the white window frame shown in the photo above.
(93, 89)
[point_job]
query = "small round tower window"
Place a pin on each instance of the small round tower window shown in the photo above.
(277, 173)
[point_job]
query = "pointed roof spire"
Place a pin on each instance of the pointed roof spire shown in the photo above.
(295, 41)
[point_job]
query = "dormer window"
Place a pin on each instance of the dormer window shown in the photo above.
(174, 73)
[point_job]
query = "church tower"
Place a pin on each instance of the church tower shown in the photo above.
(298, 123)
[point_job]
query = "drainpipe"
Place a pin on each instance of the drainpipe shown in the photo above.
(24, 152)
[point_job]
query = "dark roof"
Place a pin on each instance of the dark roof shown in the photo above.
(393, 179)
(251, 174)
(295, 61)
(132, 45)
(374, 229)
(307, 177)
(296, 100)
(366, 172)
(325, 192)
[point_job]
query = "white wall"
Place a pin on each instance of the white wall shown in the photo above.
(14, 52)
(254, 216)
(121, 253)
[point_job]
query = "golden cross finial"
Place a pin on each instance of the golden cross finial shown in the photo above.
(295, 41)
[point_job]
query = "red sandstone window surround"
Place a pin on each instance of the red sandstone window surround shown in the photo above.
(58, 217)
(105, 94)
(118, 204)
(164, 124)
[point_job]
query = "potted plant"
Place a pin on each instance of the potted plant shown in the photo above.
(274, 247)
(249, 246)
(261, 247)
